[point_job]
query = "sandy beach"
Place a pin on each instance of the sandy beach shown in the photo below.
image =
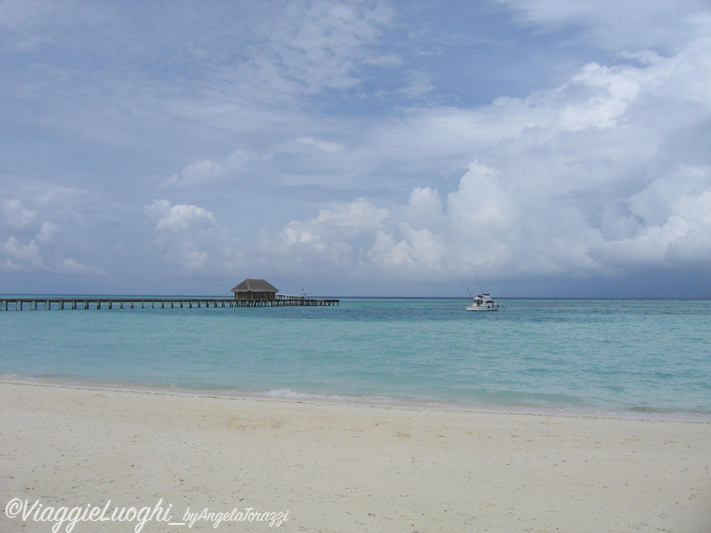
(144, 461)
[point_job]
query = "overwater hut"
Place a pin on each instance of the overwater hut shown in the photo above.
(255, 290)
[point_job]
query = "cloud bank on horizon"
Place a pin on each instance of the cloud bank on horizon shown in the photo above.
(356, 147)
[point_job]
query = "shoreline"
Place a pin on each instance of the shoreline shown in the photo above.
(348, 467)
(286, 395)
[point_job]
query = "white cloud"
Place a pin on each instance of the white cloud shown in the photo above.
(419, 85)
(196, 174)
(18, 256)
(575, 181)
(190, 238)
(71, 266)
(674, 214)
(335, 238)
(47, 232)
(419, 253)
(322, 145)
(358, 214)
(208, 172)
(17, 217)
(424, 209)
(291, 123)
(388, 60)
(633, 24)
(480, 208)
(27, 239)
(320, 43)
(179, 217)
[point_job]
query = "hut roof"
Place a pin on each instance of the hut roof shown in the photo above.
(255, 285)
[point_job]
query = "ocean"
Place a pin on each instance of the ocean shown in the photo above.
(650, 357)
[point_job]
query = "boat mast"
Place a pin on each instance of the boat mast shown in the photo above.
(465, 285)
(479, 282)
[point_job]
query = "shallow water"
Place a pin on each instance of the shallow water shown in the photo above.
(632, 355)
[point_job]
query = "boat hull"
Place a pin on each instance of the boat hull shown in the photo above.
(483, 302)
(485, 307)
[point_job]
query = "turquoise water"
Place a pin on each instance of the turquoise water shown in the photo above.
(610, 355)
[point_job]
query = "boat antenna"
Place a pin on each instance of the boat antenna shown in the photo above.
(479, 282)
(465, 284)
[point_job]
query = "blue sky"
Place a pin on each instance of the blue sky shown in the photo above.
(550, 147)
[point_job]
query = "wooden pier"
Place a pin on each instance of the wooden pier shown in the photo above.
(49, 303)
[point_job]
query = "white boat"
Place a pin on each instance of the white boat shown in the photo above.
(483, 302)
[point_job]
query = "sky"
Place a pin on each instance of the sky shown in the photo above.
(356, 148)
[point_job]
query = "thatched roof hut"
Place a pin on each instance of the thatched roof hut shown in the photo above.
(255, 289)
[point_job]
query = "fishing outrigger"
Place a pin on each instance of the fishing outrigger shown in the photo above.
(482, 301)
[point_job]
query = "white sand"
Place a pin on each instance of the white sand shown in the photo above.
(346, 468)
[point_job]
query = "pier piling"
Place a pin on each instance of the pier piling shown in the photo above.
(63, 302)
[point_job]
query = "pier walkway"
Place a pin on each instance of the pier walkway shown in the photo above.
(165, 302)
